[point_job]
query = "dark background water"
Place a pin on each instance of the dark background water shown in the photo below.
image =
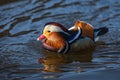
(22, 58)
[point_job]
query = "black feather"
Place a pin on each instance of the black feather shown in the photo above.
(101, 31)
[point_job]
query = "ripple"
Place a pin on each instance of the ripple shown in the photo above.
(103, 8)
(20, 52)
(7, 2)
(6, 31)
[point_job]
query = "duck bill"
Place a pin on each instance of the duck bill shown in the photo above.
(41, 38)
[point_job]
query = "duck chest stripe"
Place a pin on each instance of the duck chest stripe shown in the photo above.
(76, 36)
(65, 49)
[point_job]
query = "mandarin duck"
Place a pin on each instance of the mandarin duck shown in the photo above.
(81, 36)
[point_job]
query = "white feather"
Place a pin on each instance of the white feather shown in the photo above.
(77, 35)
(71, 28)
(97, 38)
(54, 28)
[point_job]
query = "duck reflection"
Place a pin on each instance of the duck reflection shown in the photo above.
(53, 62)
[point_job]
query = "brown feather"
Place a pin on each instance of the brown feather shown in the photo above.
(87, 29)
(55, 40)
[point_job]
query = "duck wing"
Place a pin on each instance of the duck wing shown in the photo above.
(87, 30)
(81, 29)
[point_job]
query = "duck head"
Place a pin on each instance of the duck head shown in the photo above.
(54, 37)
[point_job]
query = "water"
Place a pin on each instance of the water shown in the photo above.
(22, 58)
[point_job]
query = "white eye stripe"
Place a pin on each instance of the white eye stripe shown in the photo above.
(53, 28)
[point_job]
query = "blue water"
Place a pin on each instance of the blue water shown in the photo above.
(22, 57)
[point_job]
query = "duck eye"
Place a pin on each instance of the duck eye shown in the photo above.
(48, 31)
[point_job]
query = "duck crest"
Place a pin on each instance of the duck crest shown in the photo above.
(87, 29)
(58, 25)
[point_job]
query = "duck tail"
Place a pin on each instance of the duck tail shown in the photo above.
(99, 32)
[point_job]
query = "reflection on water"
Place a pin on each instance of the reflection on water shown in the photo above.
(53, 61)
(21, 22)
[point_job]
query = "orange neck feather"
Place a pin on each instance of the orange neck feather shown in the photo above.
(55, 40)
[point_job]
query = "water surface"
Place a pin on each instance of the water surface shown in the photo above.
(22, 58)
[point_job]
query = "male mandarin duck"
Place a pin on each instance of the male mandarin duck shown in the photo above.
(81, 36)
